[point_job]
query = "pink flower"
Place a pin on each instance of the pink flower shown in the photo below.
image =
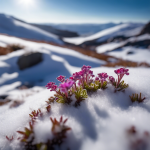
(64, 87)
(61, 78)
(122, 71)
(111, 78)
(85, 67)
(96, 78)
(76, 76)
(103, 76)
(52, 86)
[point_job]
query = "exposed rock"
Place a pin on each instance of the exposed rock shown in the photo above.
(130, 53)
(146, 29)
(29, 60)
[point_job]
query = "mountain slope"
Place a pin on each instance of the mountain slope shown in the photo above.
(56, 61)
(15, 27)
(107, 33)
(60, 33)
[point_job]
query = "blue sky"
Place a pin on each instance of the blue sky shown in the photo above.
(78, 11)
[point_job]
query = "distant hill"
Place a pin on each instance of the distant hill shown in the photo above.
(82, 29)
(58, 32)
(15, 27)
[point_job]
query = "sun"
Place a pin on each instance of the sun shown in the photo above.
(27, 3)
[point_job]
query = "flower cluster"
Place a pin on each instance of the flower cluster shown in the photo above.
(83, 82)
(76, 86)
(121, 72)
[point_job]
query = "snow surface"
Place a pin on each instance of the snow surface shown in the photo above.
(100, 122)
(138, 54)
(56, 61)
(14, 27)
(108, 47)
(114, 45)
(102, 35)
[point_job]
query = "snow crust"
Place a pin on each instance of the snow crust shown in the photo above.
(102, 118)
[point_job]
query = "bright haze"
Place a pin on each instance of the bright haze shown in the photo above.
(77, 11)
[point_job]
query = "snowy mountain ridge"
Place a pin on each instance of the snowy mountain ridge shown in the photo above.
(15, 27)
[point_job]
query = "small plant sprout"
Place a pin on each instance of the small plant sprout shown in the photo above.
(27, 134)
(48, 108)
(35, 114)
(137, 140)
(59, 130)
(9, 138)
(80, 95)
(136, 98)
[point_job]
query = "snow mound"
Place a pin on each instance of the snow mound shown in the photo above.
(100, 122)
(15, 27)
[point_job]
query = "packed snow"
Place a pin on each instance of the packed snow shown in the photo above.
(14, 27)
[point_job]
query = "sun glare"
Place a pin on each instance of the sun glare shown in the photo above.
(27, 3)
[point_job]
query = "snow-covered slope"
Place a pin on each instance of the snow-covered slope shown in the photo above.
(14, 27)
(56, 60)
(123, 29)
(103, 121)
(83, 29)
(115, 45)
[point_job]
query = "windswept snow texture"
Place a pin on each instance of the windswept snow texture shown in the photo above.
(14, 27)
(101, 122)
(123, 29)
(56, 61)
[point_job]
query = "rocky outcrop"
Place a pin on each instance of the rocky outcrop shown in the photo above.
(146, 29)
(29, 60)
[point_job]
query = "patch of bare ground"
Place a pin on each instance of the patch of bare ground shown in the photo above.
(10, 48)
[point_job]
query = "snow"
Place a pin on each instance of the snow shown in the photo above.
(108, 47)
(103, 117)
(114, 45)
(56, 60)
(14, 27)
(102, 35)
(138, 54)
(5, 88)
(140, 38)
